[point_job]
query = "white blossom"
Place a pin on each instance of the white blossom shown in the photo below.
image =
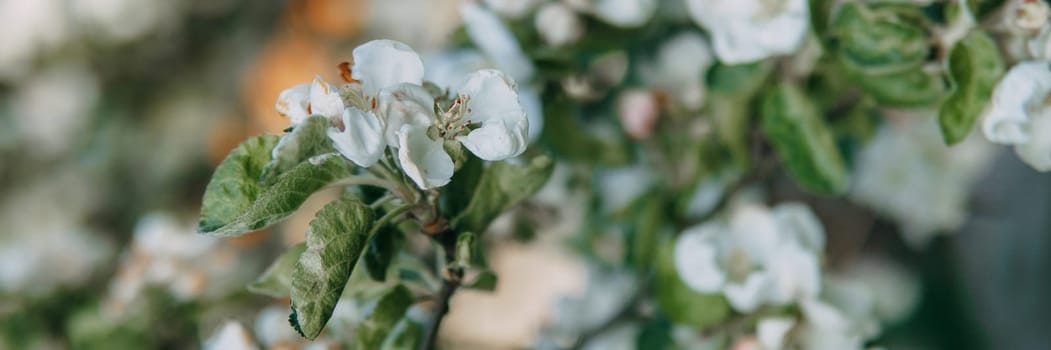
(909, 175)
(745, 31)
(558, 25)
(1019, 115)
(1028, 15)
(379, 64)
(680, 67)
(512, 8)
(362, 138)
(486, 99)
(623, 13)
(759, 257)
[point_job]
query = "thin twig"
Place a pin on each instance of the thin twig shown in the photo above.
(450, 284)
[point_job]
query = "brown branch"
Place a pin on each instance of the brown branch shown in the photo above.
(450, 284)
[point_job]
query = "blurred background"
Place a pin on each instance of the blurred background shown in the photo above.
(113, 114)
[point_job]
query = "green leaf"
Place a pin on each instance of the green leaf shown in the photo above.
(649, 219)
(380, 252)
(306, 140)
(335, 240)
(390, 308)
(501, 186)
(456, 195)
(680, 303)
(276, 281)
(800, 136)
(405, 335)
(914, 88)
(235, 184)
(880, 39)
(655, 335)
(570, 138)
(234, 205)
(485, 281)
(974, 68)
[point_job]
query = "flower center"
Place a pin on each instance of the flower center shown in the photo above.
(737, 264)
(453, 121)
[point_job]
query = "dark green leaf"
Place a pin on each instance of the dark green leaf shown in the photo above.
(457, 194)
(801, 138)
(335, 240)
(276, 281)
(913, 88)
(486, 281)
(308, 139)
(379, 253)
(974, 68)
(680, 303)
(372, 332)
(649, 218)
(229, 212)
(655, 335)
(501, 186)
(405, 335)
(569, 137)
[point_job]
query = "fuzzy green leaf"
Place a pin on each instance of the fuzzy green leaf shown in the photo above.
(308, 139)
(378, 255)
(974, 68)
(335, 240)
(276, 281)
(235, 185)
(501, 186)
(801, 138)
(880, 39)
(229, 213)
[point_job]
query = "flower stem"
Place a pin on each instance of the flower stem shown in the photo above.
(390, 215)
(450, 284)
(366, 181)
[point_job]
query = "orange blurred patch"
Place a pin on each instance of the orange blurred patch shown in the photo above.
(225, 134)
(287, 60)
(333, 18)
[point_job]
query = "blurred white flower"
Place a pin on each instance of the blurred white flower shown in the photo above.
(744, 31)
(512, 8)
(825, 327)
(124, 20)
(618, 187)
(486, 97)
(27, 29)
(606, 292)
(907, 173)
(876, 289)
(759, 257)
(52, 107)
(45, 245)
(680, 67)
(166, 252)
(558, 25)
(620, 13)
(638, 110)
(271, 327)
(1028, 15)
(496, 42)
(1019, 115)
(231, 336)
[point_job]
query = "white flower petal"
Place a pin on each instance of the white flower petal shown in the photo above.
(746, 297)
(696, 254)
(1037, 152)
(802, 226)
(494, 104)
(624, 13)
(294, 103)
(794, 274)
(558, 25)
(491, 36)
(680, 68)
(448, 68)
(423, 160)
(361, 140)
(1022, 89)
(325, 99)
(755, 231)
(402, 104)
(745, 31)
(771, 331)
(382, 63)
(512, 8)
(534, 108)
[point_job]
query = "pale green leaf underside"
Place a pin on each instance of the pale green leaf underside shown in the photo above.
(254, 206)
(308, 139)
(335, 240)
(390, 308)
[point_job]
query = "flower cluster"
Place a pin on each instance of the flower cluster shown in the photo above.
(759, 257)
(386, 105)
(1018, 113)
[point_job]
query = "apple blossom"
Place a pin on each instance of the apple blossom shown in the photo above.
(1018, 114)
(745, 31)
